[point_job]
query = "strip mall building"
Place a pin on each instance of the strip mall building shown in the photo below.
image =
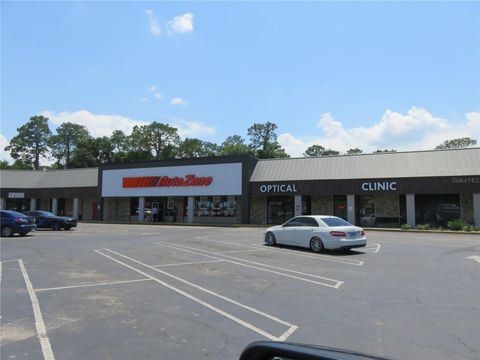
(382, 189)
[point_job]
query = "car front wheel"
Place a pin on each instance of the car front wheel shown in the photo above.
(7, 231)
(316, 244)
(270, 239)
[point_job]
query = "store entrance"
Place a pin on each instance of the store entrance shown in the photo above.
(279, 209)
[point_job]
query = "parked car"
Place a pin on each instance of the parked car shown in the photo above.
(48, 220)
(14, 222)
(317, 232)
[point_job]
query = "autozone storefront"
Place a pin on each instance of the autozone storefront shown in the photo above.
(205, 190)
(381, 202)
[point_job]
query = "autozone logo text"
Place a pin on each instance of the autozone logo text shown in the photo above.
(165, 181)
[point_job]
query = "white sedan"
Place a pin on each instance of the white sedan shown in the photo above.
(317, 232)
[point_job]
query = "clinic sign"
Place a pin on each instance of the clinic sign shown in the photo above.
(379, 186)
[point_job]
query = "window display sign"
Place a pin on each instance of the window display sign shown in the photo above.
(190, 180)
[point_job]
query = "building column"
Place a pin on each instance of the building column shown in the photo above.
(2, 204)
(55, 206)
(33, 204)
(351, 209)
(298, 205)
(476, 209)
(75, 208)
(410, 200)
(190, 206)
(141, 209)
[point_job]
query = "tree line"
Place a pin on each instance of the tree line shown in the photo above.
(72, 145)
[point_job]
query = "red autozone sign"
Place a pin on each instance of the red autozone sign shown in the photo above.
(165, 181)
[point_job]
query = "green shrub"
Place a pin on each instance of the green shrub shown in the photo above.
(423, 227)
(456, 224)
(406, 227)
(468, 228)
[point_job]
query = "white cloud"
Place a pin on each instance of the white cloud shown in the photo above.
(104, 125)
(4, 155)
(97, 125)
(193, 129)
(152, 22)
(178, 101)
(158, 96)
(144, 99)
(416, 130)
(152, 88)
(181, 24)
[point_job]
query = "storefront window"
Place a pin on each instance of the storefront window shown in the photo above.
(279, 209)
(340, 206)
(437, 210)
(18, 204)
(306, 205)
(224, 206)
(365, 210)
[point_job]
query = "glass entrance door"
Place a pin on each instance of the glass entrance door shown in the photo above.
(279, 209)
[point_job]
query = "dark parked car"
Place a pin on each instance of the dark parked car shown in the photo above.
(48, 220)
(16, 223)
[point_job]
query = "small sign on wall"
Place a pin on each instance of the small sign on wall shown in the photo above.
(16, 195)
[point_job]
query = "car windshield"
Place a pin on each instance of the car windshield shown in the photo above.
(334, 222)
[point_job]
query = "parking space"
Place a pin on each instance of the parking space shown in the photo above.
(142, 292)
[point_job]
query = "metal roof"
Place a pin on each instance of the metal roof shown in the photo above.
(459, 162)
(31, 179)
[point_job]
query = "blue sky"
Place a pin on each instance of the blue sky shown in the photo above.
(403, 75)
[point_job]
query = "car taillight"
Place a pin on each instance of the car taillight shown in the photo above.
(20, 221)
(362, 232)
(337, 233)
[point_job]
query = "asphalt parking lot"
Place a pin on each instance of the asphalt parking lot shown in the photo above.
(107, 291)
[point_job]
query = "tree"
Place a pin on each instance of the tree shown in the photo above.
(197, 148)
(4, 164)
(319, 150)
(386, 150)
(263, 141)
(31, 142)
(91, 152)
(354, 151)
(65, 141)
(234, 145)
(458, 143)
(160, 140)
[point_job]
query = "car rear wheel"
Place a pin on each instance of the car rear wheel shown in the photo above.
(56, 226)
(23, 233)
(270, 239)
(316, 244)
(67, 227)
(7, 231)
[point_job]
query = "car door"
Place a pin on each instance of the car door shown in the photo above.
(286, 235)
(304, 231)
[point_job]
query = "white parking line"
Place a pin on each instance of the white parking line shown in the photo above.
(39, 324)
(374, 247)
(239, 251)
(90, 285)
(189, 263)
(474, 257)
(11, 260)
(284, 336)
(259, 266)
(290, 252)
